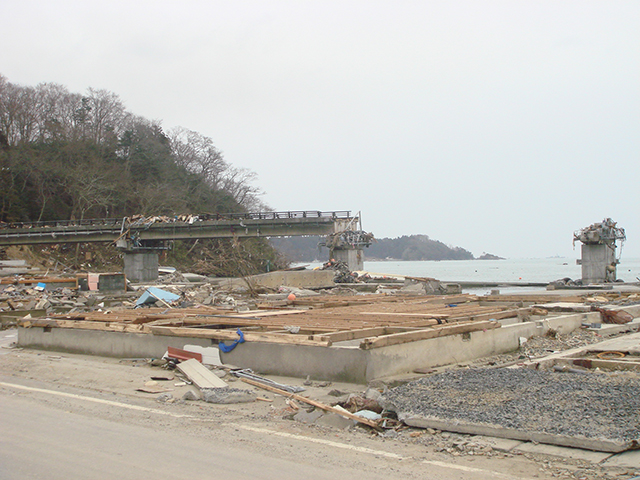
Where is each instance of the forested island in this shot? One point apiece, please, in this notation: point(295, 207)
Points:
point(407, 247)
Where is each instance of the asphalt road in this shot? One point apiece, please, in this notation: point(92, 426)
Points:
point(51, 434)
point(41, 442)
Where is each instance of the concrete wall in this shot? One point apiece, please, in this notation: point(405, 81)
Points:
point(299, 279)
point(141, 267)
point(345, 364)
point(336, 363)
point(107, 344)
point(452, 349)
point(320, 363)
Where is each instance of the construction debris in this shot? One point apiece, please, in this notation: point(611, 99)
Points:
point(341, 412)
point(619, 317)
point(153, 295)
point(200, 375)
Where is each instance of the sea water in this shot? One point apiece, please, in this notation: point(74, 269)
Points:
point(524, 270)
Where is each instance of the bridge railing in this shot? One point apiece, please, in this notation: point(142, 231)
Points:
point(117, 222)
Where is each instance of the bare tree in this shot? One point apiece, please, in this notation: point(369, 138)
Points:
point(18, 121)
point(197, 154)
point(105, 113)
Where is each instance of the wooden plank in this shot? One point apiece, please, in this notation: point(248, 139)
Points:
point(600, 363)
point(110, 317)
point(398, 338)
point(316, 404)
point(231, 335)
point(200, 375)
point(489, 316)
point(81, 325)
point(346, 335)
point(534, 298)
point(48, 280)
point(268, 313)
point(410, 314)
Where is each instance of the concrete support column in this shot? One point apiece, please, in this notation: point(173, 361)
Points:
point(353, 257)
point(598, 263)
point(141, 266)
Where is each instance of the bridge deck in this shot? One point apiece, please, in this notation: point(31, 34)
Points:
point(144, 229)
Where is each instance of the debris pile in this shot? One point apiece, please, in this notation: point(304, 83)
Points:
point(564, 283)
point(619, 317)
point(342, 272)
point(605, 232)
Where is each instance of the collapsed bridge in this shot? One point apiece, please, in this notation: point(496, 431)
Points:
point(140, 237)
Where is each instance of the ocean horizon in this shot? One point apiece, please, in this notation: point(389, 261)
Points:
point(524, 270)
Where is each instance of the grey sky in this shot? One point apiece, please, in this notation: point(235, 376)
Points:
point(498, 126)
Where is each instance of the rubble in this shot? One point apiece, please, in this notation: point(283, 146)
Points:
point(342, 272)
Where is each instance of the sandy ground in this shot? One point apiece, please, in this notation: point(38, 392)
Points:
point(263, 427)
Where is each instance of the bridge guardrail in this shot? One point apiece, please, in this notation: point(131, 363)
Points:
point(117, 222)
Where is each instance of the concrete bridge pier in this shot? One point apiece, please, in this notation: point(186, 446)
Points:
point(352, 256)
point(598, 263)
point(141, 266)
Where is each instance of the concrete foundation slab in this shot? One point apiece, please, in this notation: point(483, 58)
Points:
point(308, 417)
point(564, 452)
point(346, 363)
point(471, 428)
point(7, 339)
point(630, 459)
point(498, 444)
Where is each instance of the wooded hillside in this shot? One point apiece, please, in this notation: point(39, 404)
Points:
point(67, 155)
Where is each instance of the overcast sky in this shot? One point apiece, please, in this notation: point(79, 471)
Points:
point(496, 126)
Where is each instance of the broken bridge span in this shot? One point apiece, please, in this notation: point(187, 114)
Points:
point(142, 237)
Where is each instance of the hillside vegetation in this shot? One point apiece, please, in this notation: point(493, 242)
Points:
point(67, 155)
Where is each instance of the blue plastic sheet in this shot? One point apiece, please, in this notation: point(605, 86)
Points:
point(153, 294)
point(227, 348)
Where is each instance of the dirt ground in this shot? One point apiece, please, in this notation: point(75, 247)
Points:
point(119, 380)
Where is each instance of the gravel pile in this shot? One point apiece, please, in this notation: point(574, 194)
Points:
point(595, 406)
point(541, 346)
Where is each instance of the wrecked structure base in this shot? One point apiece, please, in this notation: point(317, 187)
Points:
point(342, 361)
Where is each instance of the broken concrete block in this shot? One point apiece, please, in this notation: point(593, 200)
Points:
point(308, 417)
point(192, 395)
point(164, 398)
point(372, 394)
point(227, 395)
point(335, 421)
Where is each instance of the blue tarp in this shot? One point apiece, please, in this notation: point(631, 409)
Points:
point(227, 348)
point(153, 294)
